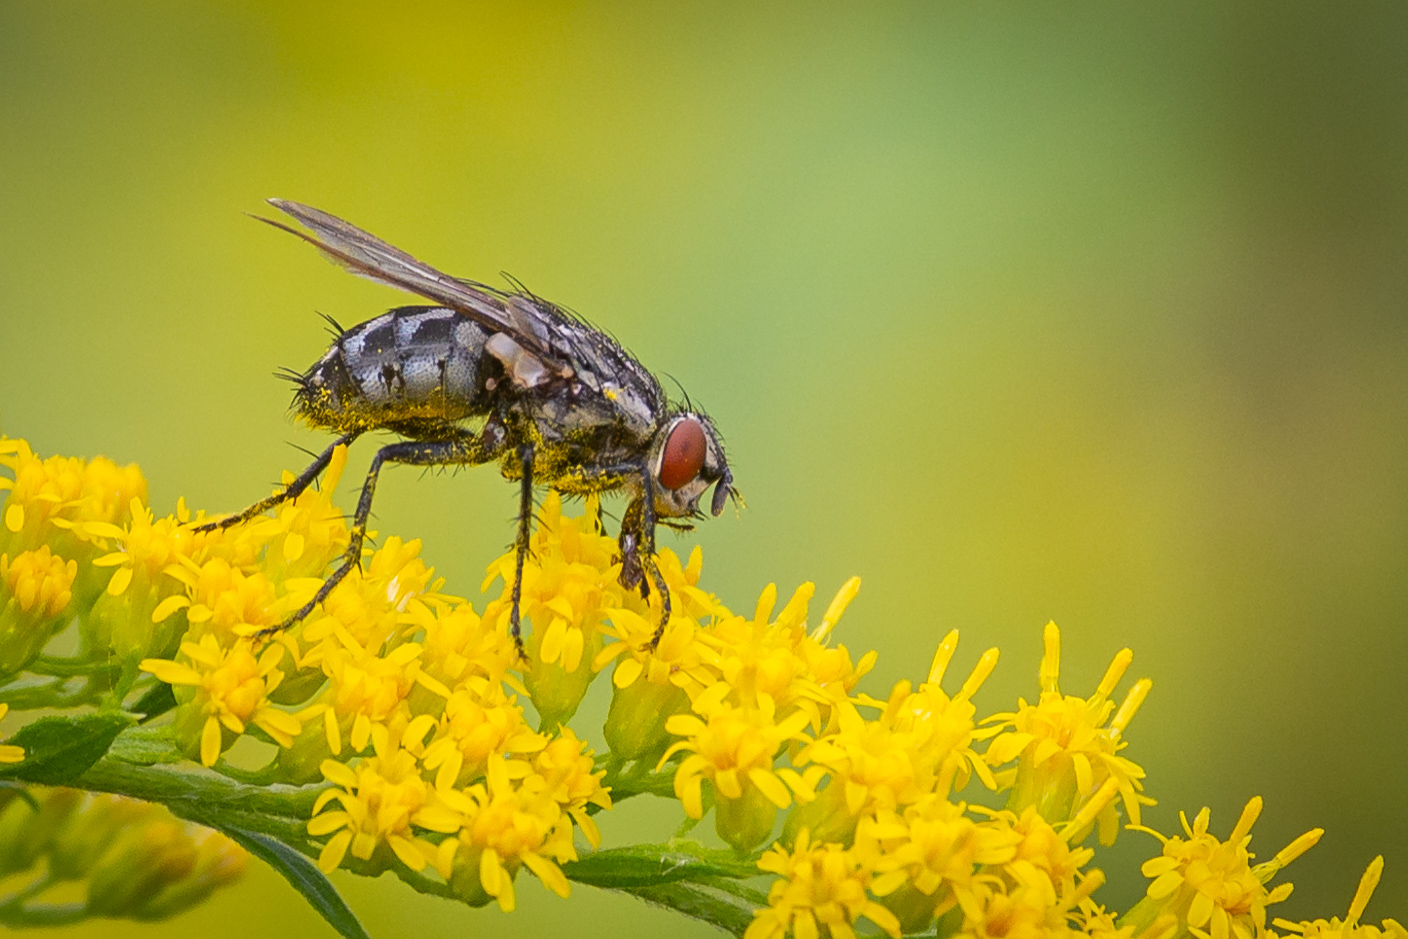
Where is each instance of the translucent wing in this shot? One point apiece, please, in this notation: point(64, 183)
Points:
point(363, 253)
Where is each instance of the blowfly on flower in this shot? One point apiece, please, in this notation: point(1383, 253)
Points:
point(489, 376)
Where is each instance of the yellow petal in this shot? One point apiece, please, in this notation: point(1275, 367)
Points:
point(553, 640)
point(572, 650)
point(339, 773)
point(406, 850)
point(14, 517)
point(210, 742)
point(627, 671)
point(327, 823)
point(120, 579)
point(334, 851)
point(171, 672)
point(491, 874)
point(549, 873)
point(168, 606)
point(293, 550)
point(771, 787)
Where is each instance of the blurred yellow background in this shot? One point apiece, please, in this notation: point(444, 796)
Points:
point(1094, 315)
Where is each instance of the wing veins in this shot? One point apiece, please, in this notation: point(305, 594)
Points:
point(361, 252)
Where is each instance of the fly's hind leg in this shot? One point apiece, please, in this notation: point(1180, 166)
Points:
point(462, 450)
point(525, 534)
point(292, 491)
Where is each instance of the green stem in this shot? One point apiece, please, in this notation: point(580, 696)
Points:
point(699, 902)
point(628, 785)
point(30, 890)
point(50, 695)
point(58, 667)
point(44, 916)
point(199, 791)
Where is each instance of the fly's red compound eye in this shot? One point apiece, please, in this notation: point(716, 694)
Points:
point(684, 454)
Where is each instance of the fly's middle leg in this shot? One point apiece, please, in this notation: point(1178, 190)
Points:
point(464, 450)
point(292, 491)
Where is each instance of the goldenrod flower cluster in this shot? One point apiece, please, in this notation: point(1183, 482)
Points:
point(438, 753)
point(126, 858)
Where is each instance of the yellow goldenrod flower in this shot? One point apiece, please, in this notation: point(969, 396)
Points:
point(733, 748)
point(152, 569)
point(569, 584)
point(35, 590)
point(370, 606)
point(1211, 886)
point(564, 773)
point(1350, 927)
point(9, 753)
point(51, 500)
point(496, 827)
point(365, 689)
point(378, 797)
point(921, 743)
point(475, 727)
point(222, 690)
point(1065, 748)
point(459, 645)
point(994, 910)
point(821, 892)
point(930, 856)
point(650, 686)
point(228, 602)
point(1043, 859)
point(1097, 922)
point(775, 656)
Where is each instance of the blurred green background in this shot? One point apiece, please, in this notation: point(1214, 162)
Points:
point(1094, 314)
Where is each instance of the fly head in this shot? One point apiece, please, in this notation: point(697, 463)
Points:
point(687, 457)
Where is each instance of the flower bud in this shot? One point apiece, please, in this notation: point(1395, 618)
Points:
point(635, 724)
point(26, 833)
point(219, 862)
point(35, 590)
point(139, 864)
point(91, 831)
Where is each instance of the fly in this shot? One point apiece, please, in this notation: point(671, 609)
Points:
point(488, 376)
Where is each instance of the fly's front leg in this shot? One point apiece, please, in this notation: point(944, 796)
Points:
point(292, 491)
point(525, 533)
point(465, 450)
point(637, 540)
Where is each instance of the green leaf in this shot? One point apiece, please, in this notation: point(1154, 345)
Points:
point(305, 877)
point(650, 864)
point(57, 750)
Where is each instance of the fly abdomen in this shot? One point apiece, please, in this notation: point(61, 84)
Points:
point(409, 364)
